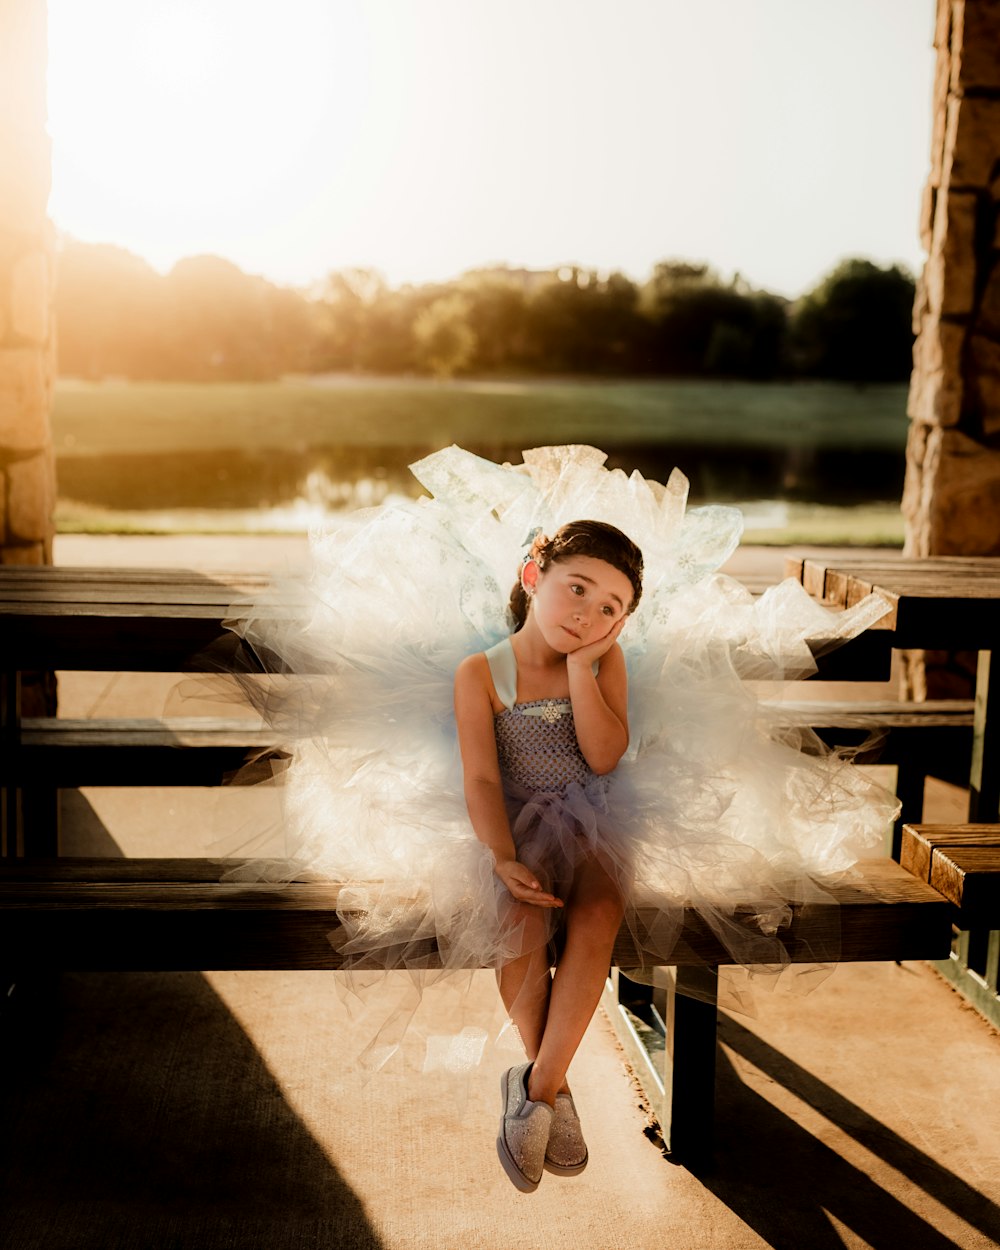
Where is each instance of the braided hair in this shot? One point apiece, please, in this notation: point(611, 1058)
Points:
point(581, 538)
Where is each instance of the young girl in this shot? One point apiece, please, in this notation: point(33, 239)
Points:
point(513, 844)
point(542, 721)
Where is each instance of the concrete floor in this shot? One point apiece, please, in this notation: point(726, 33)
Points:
point(213, 1110)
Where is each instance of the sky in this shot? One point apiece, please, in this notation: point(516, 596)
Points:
point(427, 137)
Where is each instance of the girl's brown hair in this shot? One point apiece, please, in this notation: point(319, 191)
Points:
point(581, 538)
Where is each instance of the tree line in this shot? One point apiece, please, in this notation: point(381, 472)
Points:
point(207, 320)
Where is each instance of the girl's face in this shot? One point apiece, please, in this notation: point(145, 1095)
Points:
point(577, 600)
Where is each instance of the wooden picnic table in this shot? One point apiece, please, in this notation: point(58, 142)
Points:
point(942, 603)
point(114, 913)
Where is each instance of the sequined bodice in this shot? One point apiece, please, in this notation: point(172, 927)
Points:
point(537, 747)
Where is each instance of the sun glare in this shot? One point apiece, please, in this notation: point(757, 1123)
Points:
point(424, 137)
point(169, 118)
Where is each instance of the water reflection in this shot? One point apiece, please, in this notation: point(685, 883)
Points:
point(334, 478)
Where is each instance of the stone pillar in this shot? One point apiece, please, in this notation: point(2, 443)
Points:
point(951, 500)
point(27, 341)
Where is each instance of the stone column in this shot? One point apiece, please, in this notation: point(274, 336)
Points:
point(951, 500)
point(27, 342)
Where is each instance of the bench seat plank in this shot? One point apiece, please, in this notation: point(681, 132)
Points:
point(970, 877)
point(178, 915)
point(188, 731)
point(874, 713)
point(191, 751)
point(962, 862)
point(921, 841)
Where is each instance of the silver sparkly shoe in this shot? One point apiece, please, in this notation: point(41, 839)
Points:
point(566, 1154)
point(524, 1130)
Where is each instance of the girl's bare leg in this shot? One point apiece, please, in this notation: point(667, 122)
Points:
point(594, 912)
point(525, 982)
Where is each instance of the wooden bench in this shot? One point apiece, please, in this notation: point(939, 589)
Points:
point(921, 739)
point(189, 751)
point(962, 862)
point(54, 754)
point(942, 603)
point(176, 915)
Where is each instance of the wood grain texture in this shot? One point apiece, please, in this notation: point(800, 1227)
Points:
point(945, 602)
point(173, 621)
point(969, 877)
point(920, 842)
point(178, 915)
point(64, 754)
point(962, 862)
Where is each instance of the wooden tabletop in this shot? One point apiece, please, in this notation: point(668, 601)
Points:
point(142, 620)
point(939, 602)
point(171, 620)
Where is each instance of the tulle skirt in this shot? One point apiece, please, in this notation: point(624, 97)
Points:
point(720, 806)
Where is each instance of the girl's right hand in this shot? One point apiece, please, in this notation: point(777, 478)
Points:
point(524, 885)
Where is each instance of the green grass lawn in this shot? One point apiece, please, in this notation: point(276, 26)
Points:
point(150, 417)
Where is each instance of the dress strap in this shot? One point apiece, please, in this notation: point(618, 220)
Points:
point(503, 670)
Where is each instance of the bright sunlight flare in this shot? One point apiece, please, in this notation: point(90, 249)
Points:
point(425, 137)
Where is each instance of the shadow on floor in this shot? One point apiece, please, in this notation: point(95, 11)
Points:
point(81, 830)
point(136, 1113)
point(785, 1183)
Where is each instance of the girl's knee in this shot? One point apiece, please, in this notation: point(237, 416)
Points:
point(596, 913)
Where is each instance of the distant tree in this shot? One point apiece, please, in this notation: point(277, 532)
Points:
point(700, 325)
point(220, 327)
point(109, 310)
point(342, 314)
point(387, 344)
point(207, 320)
point(730, 350)
point(498, 317)
point(445, 341)
point(579, 322)
point(293, 330)
point(856, 324)
point(616, 324)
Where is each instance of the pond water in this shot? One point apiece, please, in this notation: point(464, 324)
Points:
point(334, 478)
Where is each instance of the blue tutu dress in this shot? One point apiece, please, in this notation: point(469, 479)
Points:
point(719, 801)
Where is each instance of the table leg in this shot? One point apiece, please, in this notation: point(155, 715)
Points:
point(984, 796)
point(690, 1068)
point(672, 1052)
point(975, 961)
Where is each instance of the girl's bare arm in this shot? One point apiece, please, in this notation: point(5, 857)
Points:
point(600, 704)
point(483, 786)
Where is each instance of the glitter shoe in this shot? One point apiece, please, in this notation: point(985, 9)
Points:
point(566, 1154)
point(524, 1130)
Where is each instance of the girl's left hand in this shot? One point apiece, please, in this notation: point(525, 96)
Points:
point(591, 651)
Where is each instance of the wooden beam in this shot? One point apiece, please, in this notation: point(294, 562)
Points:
point(179, 915)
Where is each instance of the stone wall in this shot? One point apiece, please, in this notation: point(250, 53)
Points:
point(27, 339)
point(951, 500)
